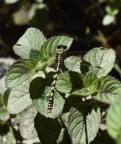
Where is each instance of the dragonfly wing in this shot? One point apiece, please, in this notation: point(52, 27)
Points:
point(75, 53)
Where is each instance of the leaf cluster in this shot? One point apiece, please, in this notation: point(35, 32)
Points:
point(81, 89)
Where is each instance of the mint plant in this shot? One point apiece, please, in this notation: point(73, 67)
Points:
point(81, 90)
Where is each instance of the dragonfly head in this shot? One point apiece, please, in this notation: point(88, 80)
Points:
point(61, 48)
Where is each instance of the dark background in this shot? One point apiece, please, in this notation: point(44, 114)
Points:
point(80, 19)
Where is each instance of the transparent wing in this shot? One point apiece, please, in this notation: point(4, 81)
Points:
point(76, 53)
point(67, 54)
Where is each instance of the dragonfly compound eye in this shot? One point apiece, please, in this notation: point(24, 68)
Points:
point(62, 46)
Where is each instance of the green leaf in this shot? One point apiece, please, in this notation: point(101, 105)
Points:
point(118, 140)
point(72, 63)
point(9, 138)
point(49, 48)
point(40, 91)
point(90, 85)
point(11, 1)
point(34, 141)
point(32, 11)
point(101, 61)
point(64, 84)
point(108, 89)
point(69, 81)
point(64, 137)
point(82, 124)
point(112, 10)
point(32, 39)
point(2, 85)
point(90, 79)
point(114, 120)
point(20, 94)
point(1, 100)
point(35, 57)
point(6, 96)
point(84, 91)
point(108, 19)
point(48, 129)
point(18, 18)
point(19, 98)
point(18, 73)
point(27, 128)
point(64, 117)
point(3, 113)
point(24, 69)
point(77, 84)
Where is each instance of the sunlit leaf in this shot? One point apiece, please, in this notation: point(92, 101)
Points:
point(111, 10)
point(20, 17)
point(19, 98)
point(2, 85)
point(32, 39)
point(27, 128)
point(64, 83)
point(114, 120)
point(108, 89)
point(101, 61)
point(83, 125)
point(11, 1)
point(72, 63)
point(108, 19)
point(18, 73)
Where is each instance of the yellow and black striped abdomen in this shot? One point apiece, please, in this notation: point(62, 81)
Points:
point(59, 59)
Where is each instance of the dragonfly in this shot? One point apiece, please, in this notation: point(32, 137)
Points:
point(59, 58)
